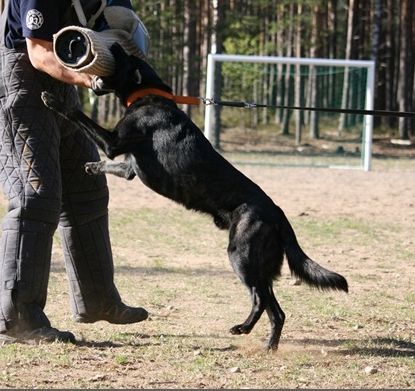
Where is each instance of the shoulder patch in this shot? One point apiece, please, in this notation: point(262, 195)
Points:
point(34, 19)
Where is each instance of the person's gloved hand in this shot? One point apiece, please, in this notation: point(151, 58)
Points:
point(99, 87)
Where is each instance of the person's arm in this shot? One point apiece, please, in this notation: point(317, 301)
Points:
point(43, 59)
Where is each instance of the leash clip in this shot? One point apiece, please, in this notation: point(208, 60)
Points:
point(249, 105)
point(208, 101)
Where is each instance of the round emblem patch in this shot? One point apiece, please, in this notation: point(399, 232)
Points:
point(34, 19)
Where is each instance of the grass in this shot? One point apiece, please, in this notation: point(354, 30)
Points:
point(174, 263)
point(176, 237)
point(354, 230)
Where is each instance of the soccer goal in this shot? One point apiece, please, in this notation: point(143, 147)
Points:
point(284, 136)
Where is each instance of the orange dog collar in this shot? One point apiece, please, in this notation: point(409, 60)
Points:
point(185, 100)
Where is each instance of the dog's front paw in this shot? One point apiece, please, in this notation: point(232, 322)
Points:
point(94, 168)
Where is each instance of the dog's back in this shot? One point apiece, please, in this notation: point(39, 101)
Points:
point(178, 162)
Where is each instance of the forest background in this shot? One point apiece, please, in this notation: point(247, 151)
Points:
point(184, 32)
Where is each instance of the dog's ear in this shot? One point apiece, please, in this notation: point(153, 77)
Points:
point(146, 76)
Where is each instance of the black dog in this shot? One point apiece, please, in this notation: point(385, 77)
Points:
point(166, 150)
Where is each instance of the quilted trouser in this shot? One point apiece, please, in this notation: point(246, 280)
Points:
point(42, 173)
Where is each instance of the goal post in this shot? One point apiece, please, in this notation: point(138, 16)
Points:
point(367, 131)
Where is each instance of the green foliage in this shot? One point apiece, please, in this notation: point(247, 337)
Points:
point(242, 40)
point(165, 26)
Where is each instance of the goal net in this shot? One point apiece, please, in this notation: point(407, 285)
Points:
point(285, 136)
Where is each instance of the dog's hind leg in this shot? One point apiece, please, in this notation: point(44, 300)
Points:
point(256, 257)
point(258, 307)
point(277, 317)
point(242, 252)
point(263, 299)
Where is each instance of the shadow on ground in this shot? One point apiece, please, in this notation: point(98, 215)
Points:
point(381, 347)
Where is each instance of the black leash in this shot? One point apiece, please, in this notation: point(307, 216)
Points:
point(248, 105)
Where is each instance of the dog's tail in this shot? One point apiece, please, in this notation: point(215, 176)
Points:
point(302, 266)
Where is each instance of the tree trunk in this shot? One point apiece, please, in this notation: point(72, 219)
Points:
point(177, 46)
point(280, 90)
point(297, 88)
point(204, 37)
point(390, 61)
point(349, 41)
point(314, 130)
point(217, 47)
point(376, 37)
point(265, 74)
point(406, 72)
point(288, 89)
point(189, 50)
point(332, 51)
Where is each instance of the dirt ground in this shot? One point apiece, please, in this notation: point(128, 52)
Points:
point(173, 262)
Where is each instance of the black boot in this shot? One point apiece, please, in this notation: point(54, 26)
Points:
point(49, 334)
point(41, 334)
point(25, 250)
point(116, 314)
point(89, 265)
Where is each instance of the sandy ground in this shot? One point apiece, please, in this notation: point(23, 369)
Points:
point(387, 194)
point(187, 344)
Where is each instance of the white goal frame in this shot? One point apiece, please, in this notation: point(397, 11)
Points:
point(369, 99)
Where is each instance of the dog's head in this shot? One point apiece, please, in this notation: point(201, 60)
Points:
point(131, 74)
